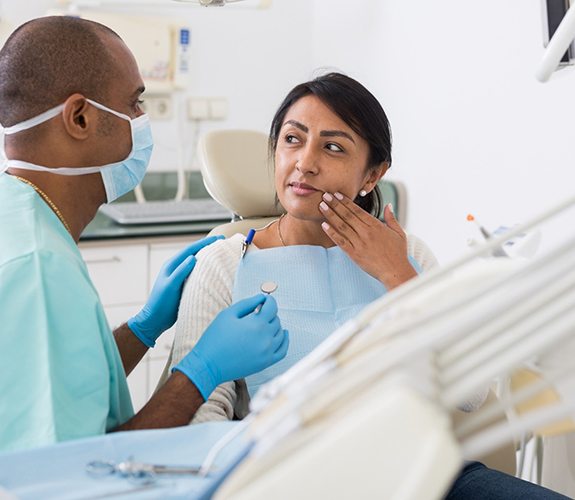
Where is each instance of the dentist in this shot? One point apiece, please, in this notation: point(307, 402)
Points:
point(75, 137)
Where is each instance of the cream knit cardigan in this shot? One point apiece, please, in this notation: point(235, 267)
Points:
point(207, 292)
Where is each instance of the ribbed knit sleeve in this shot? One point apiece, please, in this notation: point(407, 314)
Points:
point(208, 291)
point(417, 249)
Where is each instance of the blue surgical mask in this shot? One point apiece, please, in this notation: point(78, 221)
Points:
point(119, 178)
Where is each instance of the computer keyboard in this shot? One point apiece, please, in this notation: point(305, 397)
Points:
point(167, 211)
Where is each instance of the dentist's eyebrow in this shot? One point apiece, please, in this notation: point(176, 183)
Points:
point(336, 133)
point(297, 124)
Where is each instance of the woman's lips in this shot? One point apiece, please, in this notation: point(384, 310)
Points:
point(301, 189)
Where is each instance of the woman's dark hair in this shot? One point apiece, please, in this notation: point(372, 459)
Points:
point(357, 107)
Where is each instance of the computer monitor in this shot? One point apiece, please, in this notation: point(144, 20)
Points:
point(553, 13)
point(558, 34)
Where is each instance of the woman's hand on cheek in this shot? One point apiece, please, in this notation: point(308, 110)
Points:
point(379, 248)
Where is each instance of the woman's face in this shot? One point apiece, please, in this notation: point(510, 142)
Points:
point(318, 152)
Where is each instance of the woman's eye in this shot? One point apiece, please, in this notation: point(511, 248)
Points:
point(334, 147)
point(291, 139)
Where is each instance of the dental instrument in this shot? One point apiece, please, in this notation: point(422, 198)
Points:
point(138, 472)
point(498, 252)
point(521, 245)
point(486, 234)
point(248, 241)
point(267, 287)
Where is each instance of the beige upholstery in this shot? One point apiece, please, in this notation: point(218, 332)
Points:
point(525, 377)
point(237, 173)
point(554, 444)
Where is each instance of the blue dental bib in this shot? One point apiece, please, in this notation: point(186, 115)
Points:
point(318, 290)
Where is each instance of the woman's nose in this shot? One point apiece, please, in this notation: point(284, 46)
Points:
point(307, 163)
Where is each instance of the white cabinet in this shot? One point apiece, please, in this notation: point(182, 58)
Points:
point(124, 272)
point(120, 273)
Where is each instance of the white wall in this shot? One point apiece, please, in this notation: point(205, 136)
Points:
point(252, 57)
point(18, 12)
point(473, 130)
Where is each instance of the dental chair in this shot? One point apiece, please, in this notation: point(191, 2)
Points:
point(238, 173)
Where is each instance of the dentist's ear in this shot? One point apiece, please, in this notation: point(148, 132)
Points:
point(77, 116)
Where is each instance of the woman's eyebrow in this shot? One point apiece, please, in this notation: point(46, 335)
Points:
point(323, 133)
point(297, 124)
point(336, 133)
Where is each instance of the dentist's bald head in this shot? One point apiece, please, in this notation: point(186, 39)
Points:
point(47, 59)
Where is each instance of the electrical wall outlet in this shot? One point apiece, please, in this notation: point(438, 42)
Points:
point(198, 108)
point(163, 108)
point(218, 108)
point(207, 108)
point(159, 107)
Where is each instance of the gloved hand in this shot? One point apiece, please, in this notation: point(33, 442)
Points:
point(161, 310)
point(237, 343)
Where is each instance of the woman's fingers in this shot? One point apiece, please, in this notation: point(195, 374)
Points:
point(345, 220)
point(378, 247)
point(390, 220)
point(346, 208)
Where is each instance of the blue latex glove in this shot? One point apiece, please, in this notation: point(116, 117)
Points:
point(237, 343)
point(161, 310)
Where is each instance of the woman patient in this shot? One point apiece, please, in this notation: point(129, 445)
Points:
point(328, 254)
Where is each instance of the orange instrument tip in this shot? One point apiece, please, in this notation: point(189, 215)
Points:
point(470, 217)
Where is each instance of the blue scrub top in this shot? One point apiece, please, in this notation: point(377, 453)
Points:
point(61, 373)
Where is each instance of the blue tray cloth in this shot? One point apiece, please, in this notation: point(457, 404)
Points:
point(59, 471)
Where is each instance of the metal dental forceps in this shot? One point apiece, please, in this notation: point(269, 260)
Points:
point(137, 472)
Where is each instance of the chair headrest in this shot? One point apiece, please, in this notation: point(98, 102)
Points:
point(238, 173)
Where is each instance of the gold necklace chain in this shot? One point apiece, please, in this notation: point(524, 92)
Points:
point(280, 231)
point(47, 199)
